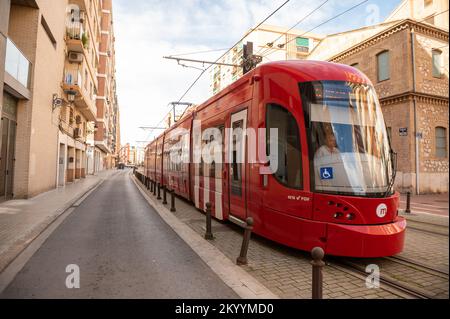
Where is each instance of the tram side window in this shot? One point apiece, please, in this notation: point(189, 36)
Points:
point(289, 171)
point(237, 158)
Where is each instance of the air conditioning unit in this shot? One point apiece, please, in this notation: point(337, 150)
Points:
point(75, 57)
point(76, 132)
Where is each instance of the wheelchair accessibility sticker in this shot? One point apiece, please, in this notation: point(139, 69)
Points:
point(326, 173)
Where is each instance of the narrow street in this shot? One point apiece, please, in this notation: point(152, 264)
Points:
point(123, 250)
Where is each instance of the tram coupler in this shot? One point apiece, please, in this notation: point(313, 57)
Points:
point(164, 195)
point(242, 259)
point(317, 263)
point(208, 233)
point(172, 201)
point(408, 203)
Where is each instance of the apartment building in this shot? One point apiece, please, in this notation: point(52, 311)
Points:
point(272, 43)
point(49, 60)
point(107, 104)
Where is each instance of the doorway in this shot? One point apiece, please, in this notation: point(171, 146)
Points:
point(8, 146)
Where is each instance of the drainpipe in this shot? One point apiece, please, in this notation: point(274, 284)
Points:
point(416, 135)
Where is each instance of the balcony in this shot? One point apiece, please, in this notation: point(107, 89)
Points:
point(16, 64)
point(85, 101)
point(77, 39)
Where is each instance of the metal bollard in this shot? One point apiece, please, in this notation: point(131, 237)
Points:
point(317, 263)
point(159, 191)
point(164, 195)
point(154, 188)
point(208, 233)
point(408, 203)
point(151, 186)
point(172, 201)
point(242, 259)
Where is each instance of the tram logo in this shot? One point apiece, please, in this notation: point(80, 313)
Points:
point(326, 173)
point(381, 210)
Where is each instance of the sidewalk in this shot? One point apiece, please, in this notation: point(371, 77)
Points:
point(23, 220)
point(436, 204)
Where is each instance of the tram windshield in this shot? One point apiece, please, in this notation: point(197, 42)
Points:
point(348, 138)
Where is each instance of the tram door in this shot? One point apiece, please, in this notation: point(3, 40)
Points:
point(236, 152)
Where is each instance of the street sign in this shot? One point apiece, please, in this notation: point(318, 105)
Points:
point(403, 131)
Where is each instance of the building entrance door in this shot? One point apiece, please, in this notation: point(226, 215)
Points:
point(7, 146)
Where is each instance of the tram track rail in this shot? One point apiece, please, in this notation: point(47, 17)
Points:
point(404, 288)
point(417, 264)
point(429, 228)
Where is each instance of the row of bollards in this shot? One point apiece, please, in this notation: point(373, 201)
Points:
point(155, 189)
point(317, 253)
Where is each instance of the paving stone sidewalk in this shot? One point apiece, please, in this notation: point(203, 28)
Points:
point(21, 221)
point(284, 271)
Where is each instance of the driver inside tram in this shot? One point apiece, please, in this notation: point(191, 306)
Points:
point(330, 146)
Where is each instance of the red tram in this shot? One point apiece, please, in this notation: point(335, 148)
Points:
point(332, 182)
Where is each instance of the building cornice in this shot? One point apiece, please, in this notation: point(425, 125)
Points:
point(429, 99)
point(418, 27)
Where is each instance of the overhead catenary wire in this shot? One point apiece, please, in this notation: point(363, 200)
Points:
point(321, 24)
point(197, 52)
point(207, 68)
point(296, 24)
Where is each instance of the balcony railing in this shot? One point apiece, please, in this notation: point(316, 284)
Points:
point(73, 77)
point(75, 30)
point(16, 64)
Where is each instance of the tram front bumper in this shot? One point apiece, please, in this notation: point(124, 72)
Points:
point(366, 240)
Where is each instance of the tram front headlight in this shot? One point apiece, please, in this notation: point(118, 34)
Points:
point(337, 215)
point(350, 216)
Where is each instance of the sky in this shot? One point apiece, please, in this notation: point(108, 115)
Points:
point(147, 30)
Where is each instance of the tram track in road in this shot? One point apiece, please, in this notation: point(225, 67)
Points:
point(418, 264)
point(426, 227)
point(410, 278)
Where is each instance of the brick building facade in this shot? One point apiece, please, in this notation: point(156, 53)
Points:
point(413, 99)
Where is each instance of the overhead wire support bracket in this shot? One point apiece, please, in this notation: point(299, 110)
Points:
point(200, 61)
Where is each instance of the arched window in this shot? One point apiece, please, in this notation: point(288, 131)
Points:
point(383, 65)
point(441, 141)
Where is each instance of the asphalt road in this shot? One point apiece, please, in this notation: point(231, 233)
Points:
point(123, 250)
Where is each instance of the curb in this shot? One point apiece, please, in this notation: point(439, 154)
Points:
point(242, 283)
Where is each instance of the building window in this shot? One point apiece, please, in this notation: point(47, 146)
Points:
point(355, 65)
point(302, 44)
point(437, 63)
point(383, 66)
point(441, 142)
point(289, 171)
point(427, 3)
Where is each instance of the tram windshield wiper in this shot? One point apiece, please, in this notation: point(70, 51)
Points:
point(394, 172)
